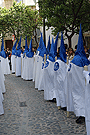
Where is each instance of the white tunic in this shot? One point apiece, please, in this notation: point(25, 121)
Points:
point(38, 70)
point(22, 65)
point(2, 79)
point(5, 65)
point(59, 83)
point(13, 63)
point(78, 90)
point(1, 105)
point(87, 101)
point(2, 90)
point(89, 67)
point(49, 81)
point(41, 79)
point(35, 67)
point(28, 68)
point(69, 98)
point(18, 66)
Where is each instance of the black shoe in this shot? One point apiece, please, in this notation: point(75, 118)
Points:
point(53, 100)
point(64, 108)
point(80, 120)
point(13, 72)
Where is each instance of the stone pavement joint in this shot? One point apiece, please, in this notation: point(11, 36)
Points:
point(36, 116)
point(23, 104)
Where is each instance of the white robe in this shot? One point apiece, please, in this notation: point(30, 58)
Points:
point(41, 79)
point(2, 79)
point(5, 65)
point(89, 67)
point(13, 63)
point(38, 70)
point(2, 90)
point(35, 67)
point(18, 66)
point(87, 101)
point(78, 90)
point(69, 97)
point(28, 68)
point(1, 105)
point(49, 81)
point(22, 65)
point(59, 83)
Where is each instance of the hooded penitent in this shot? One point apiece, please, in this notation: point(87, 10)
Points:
point(56, 41)
point(62, 52)
point(30, 53)
point(18, 52)
point(52, 52)
point(42, 47)
point(14, 48)
point(3, 53)
point(48, 46)
point(80, 58)
point(26, 46)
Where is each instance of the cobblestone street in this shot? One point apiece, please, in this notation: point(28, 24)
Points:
point(27, 113)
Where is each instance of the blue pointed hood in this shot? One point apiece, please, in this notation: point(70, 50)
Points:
point(30, 46)
point(56, 41)
point(26, 45)
point(30, 53)
point(52, 51)
point(18, 51)
point(15, 45)
point(19, 44)
point(62, 52)
point(2, 45)
point(80, 58)
point(14, 48)
point(40, 43)
point(0, 54)
point(3, 54)
point(43, 48)
point(48, 46)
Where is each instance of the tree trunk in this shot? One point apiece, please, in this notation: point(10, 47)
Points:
point(28, 42)
point(84, 42)
point(44, 35)
point(36, 37)
point(69, 42)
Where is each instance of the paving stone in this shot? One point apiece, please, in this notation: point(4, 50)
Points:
point(27, 113)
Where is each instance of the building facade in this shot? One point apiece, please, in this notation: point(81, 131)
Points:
point(33, 3)
point(8, 43)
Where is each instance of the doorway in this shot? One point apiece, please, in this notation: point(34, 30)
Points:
point(9, 44)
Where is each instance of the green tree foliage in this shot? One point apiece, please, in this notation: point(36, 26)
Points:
point(3, 21)
point(30, 20)
point(19, 20)
point(66, 15)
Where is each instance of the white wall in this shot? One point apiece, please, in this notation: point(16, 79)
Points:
point(29, 2)
point(74, 40)
point(1, 3)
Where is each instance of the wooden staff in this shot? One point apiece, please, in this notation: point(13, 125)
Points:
point(15, 64)
point(86, 69)
point(44, 58)
point(67, 64)
point(58, 106)
point(55, 58)
point(21, 63)
point(47, 56)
